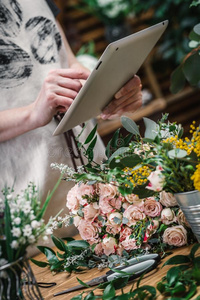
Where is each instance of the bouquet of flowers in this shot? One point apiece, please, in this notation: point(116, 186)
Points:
point(109, 12)
point(127, 202)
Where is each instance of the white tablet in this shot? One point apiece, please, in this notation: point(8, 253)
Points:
point(119, 62)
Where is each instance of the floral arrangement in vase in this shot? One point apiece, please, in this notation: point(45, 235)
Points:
point(21, 225)
point(126, 202)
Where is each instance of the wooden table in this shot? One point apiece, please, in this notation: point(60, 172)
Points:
point(64, 280)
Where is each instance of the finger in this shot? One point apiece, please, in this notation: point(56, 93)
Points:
point(73, 73)
point(69, 83)
point(130, 108)
point(65, 92)
point(118, 104)
point(132, 84)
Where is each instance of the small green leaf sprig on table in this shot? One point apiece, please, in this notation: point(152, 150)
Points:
point(180, 282)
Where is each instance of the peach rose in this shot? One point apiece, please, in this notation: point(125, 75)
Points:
point(109, 245)
point(133, 214)
point(152, 208)
point(175, 236)
point(151, 229)
point(132, 198)
point(113, 229)
point(168, 216)
point(181, 219)
point(125, 232)
point(84, 189)
point(98, 249)
point(87, 230)
point(72, 200)
point(129, 244)
point(167, 199)
point(90, 213)
point(108, 190)
point(107, 204)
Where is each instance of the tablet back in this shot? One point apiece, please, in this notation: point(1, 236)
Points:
point(119, 62)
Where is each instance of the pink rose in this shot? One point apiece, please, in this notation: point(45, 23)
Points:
point(156, 180)
point(175, 236)
point(108, 190)
point(132, 198)
point(107, 205)
point(109, 245)
point(84, 189)
point(133, 214)
point(72, 200)
point(98, 249)
point(129, 244)
point(181, 219)
point(152, 208)
point(87, 230)
point(151, 229)
point(90, 213)
point(125, 232)
point(168, 216)
point(113, 229)
point(167, 199)
point(77, 220)
point(113, 217)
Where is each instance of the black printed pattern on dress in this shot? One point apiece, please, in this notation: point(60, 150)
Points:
point(10, 19)
point(46, 40)
point(15, 65)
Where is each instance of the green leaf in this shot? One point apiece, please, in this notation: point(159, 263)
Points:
point(173, 275)
point(40, 264)
point(8, 233)
point(91, 135)
point(161, 287)
point(118, 152)
point(90, 296)
point(46, 203)
point(130, 161)
point(90, 148)
point(58, 243)
point(178, 259)
point(79, 297)
point(151, 129)
point(191, 69)
point(197, 29)
point(194, 37)
point(177, 80)
point(177, 153)
point(109, 292)
point(82, 283)
point(78, 244)
point(130, 125)
point(50, 254)
point(193, 251)
point(191, 292)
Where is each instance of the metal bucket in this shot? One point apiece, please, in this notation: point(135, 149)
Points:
point(189, 203)
point(17, 281)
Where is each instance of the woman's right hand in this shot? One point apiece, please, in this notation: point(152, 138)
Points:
point(57, 94)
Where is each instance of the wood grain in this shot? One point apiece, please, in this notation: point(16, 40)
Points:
point(65, 281)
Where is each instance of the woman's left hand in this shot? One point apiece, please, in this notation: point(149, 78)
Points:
point(127, 99)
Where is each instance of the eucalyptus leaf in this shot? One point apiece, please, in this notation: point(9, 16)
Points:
point(118, 152)
point(197, 29)
point(130, 125)
point(151, 129)
point(191, 69)
point(194, 37)
point(177, 81)
point(177, 153)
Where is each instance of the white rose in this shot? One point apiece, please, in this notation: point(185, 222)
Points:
point(156, 180)
point(167, 199)
point(109, 245)
point(168, 216)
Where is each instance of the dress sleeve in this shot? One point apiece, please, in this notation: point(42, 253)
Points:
point(55, 10)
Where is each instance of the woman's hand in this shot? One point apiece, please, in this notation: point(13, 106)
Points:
point(57, 94)
point(127, 99)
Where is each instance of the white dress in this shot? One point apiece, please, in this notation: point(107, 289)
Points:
point(31, 46)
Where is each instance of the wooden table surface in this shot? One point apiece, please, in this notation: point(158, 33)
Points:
point(65, 281)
